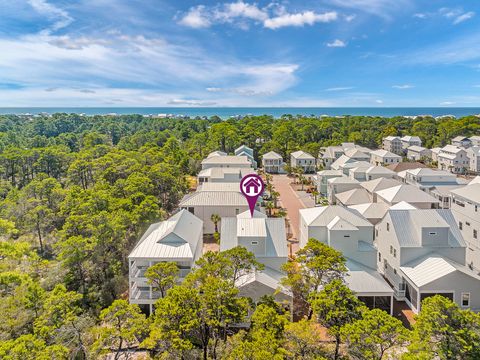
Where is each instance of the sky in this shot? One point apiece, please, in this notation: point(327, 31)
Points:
point(323, 53)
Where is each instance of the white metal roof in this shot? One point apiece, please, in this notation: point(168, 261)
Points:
point(219, 186)
point(302, 155)
point(216, 153)
point(354, 196)
point(416, 148)
point(214, 198)
point(470, 192)
point(272, 155)
point(256, 214)
point(379, 184)
point(364, 281)
point(355, 153)
point(340, 224)
point(251, 227)
point(384, 153)
point(330, 173)
point(342, 160)
point(175, 238)
point(268, 277)
point(379, 170)
point(408, 193)
point(322, 216)
point(226, 159)
point(342, 180)
point(402, 205)
point(220, 172)
point(371, 210)
point(410, 138)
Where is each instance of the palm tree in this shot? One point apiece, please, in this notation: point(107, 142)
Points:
point(270, 207)
point(215, 219)
point(281, 213)
point(275, 195)
point(315, 194)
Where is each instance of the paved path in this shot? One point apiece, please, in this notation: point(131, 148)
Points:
point(290, 201)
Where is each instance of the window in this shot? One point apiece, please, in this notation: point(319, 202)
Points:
point(254, 242)
point(376, 232)
point(388, 227)
point(379, 257)
point(432, 233)
point(391, 249)
point(394, 252)
point(346, 236)
point(395, 271)
point(460, 225)
point(237, 211)
point(475, 234)
point(465, 299)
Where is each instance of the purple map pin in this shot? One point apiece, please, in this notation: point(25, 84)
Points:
point(252, 187)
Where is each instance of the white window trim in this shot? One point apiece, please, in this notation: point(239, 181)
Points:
point(469, 299)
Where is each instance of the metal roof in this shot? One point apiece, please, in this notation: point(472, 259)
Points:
point(371, 210)
point(226, 159)
point(219, 186)
point(220, 172)
point(340, 225)
point(268, 277)
point(323, 215)
point(363, 280)
point(175, 238)
point(302, 155)
point(379, 170)
point(354, 196)
point(272, 155)
point(272, 231)
point(416, 148)
point(384, 153)
point(217, 153)
point(408, 193)
point(470, 192)
point(214, 198)
point(379, 184)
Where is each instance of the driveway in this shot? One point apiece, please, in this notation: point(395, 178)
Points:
point(291, 202)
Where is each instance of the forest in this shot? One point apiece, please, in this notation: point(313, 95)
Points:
point(76, 194)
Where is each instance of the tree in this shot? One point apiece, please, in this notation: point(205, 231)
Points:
point(370, 337)
point(270, 206)
point(275, 195)
point(336, 306)
point(215, 219)
point(162, 276)
point(123, 325)
point(303, 340)
point(315, 266)
point(444, 331)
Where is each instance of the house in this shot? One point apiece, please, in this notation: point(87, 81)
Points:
point(266, 238)
point(178, 239)
point(475, 140)
point(354, 165)
point(244, 150)
point(341, 161)
point(223, 174)
point(303, 160)
point(226, 161)
point(409, 194)
point(465, 207)
point(359, 171)
point(204, 204)
point(338, 185)
point(384, 157)
point(408, 141)
point(422, 253)
point(347, 231)
point(273, 163)
point(331, 153)
point(372, 186)
point(473, 154)
point(373, 212)
point(357, 154)
point(353, 197)
point(322, 179)
point(426, 178)
point(393, 144)
point(217, 153)
point(461, 141)
point(378, 172)
point(415, 153)
point(435, 151)
point(453, 159)
point(402, 166)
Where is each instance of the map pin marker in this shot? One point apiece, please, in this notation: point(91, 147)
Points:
point(251, 186)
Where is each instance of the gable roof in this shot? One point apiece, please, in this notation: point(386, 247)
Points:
point(256, 214)
point(302, 155)
point(243, 148)
point(342, 160)
point(355, 153)
point(384, 153)
point(354, 196)
point(322, 216)
point(175, 238)
point(379, 170)
point(390, 138)
point(268, 277)
point(460, 138)
point(402, 166)
point(220, 172)
point(363, 280)
point(342, 180)
point(416, 148)
point(226, 159)
point(371, 210)
point(470, 192)
point(216, 153)
point(408, 193)
point(340, 224)
point(379, 184)
point(214, 198)
point(272, 155)
point(410, 138)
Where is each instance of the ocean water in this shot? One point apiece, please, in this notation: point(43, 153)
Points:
point(226, 112)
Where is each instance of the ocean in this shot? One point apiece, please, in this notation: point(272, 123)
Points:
point(226, 112)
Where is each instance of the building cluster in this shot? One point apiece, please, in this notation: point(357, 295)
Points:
point(407, 231)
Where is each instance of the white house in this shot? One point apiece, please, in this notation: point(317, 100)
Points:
point(475, 140)
point(461, 141)
point(204, 204)
point(331, 153)
point(353, 197)
point(453, 159)
point(346, 231)
point(266, 238)
point(466, 209)
point(226, 161)
point(415, 153)
point(244, 150)
point(273, 163)
point(373, 212)
point(422, 253)
point(340, 184)
point(357, 154)
point(473, 154)
point(375, 185)
point(435, 151)
point(223, 174)
point(303, 160)
point(408, 141)
point(178, 239)
point(378, 172)
point(322, 179)
point(409, 194)
point(384, 157)
point(393, 144)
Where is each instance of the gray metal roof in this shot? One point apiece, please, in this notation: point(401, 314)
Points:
point(363, 280)
point(272, 231)
point(408, 193)
point(407, 224)
point(214, 198)
point(175, 238)
point(323, 215)
point(371, 210)
point(379, 184)
point(470, 192)
point(268, 277)
point(272, 155)
point(302, 155)
point(226, 159)
point(353, 197)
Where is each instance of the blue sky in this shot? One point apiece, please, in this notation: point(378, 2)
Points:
point(241, 53)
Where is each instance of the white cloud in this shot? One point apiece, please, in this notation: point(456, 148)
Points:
point(378, 101)
point(464, 17)
point(191, 102)
point(337, 43)
point(403, 87)
point(300, 19)
point(340, 88)
point(420, 15)
point(60, 17)
point(457, 15)
point(273, 16)
point(382, 8)
point(196, 18)
point(445, 103)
